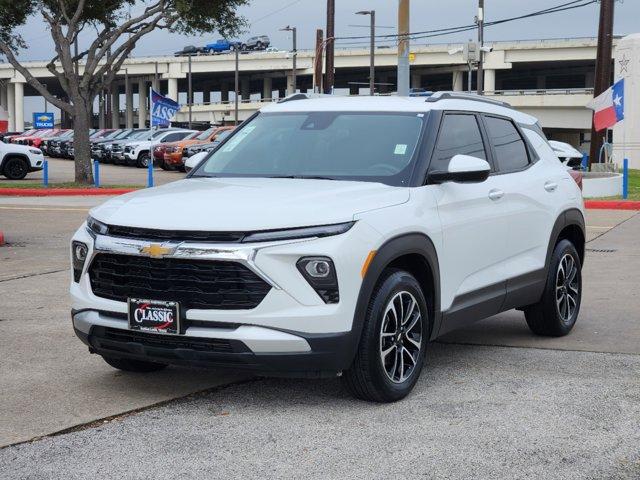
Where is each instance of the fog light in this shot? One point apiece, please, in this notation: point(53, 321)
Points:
point(318, 268)
point(79, 253)
point(321, 275)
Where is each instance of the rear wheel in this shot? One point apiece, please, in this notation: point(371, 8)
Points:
point(394, 338)
point(259, 45)
point(557, 311)
point(129, 365)
point(15, 168)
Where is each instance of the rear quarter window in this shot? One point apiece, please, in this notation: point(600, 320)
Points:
point(508, 146)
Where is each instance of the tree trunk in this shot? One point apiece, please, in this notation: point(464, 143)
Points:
point(82, 146)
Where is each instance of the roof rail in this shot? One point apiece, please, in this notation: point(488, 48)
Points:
point(294, 96)
point(465, 96)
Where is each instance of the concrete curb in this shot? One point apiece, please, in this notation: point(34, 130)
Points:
point(612, 204)
point(57, 192)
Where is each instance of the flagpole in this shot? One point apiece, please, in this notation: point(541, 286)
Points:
point(151, 107)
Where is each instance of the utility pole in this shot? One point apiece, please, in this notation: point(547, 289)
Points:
point(317, 66)
point(372, 48)
point(237, 81)
point(331, 19)
point(190, 92)
point(294, 53)
point(480, 21)
point(403, 48)
point(603, 69)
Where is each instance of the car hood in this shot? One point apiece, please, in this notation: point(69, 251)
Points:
point(245, 204)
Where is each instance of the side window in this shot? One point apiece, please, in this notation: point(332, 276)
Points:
point(459, 134)
point(172, 137)
point(508, 145)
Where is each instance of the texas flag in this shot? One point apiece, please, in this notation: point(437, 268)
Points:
point(608, 107)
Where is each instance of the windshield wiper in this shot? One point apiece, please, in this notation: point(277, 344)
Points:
point(308, 177)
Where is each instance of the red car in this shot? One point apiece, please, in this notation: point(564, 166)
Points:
point(36, 139)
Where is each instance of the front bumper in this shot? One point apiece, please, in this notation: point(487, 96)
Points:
point(243, 347)
point(174, 158)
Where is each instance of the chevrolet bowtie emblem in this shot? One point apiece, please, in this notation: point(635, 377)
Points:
point(155, 250)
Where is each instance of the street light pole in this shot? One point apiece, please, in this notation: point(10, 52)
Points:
point(403, 48)
point(372, 48)
point(294, 53)
point(237, 81)
point(480, 74)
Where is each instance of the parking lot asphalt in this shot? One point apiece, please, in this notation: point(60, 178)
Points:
point(495, 400)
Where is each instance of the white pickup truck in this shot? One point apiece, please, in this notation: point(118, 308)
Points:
point(18, 160)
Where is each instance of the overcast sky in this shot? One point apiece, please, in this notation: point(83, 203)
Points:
point(268, 16)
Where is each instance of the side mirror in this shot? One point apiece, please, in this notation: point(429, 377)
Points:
point(193, 161)
point(462, 169)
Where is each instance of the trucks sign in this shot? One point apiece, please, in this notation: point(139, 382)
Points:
point(43, 120)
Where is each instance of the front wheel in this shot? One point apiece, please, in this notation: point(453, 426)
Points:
point(557, 311)
point(15, 168)
point(143, 160)
point(393, 343)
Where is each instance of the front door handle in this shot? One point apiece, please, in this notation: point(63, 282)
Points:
point(496, 194)
point(550, 186)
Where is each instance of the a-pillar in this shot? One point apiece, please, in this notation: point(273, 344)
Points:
point(11, 106)
point(456, 81)
point(416, 80)
point(267, 88)
point(19, 105)
point(291, 88)
point(115, 105)
point(489, 80)
point(128, 104)
point(142, 103)
point(172, 89)
point(224, 92)
point(245, 88)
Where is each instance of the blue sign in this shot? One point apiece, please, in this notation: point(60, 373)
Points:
point(163, 109)
point(43, 120)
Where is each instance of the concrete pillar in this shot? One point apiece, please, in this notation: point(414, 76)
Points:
point(290, 86)
point(456, 81)
point(245, 88)
point(142, 103)
point(267, 88)
point(589, 79)
point(115, 106)
point(224, 92)
point(489, 80)
point(128, 103)
point(19, 105)
point(11, 106)
point(416, 80)
point(155, 84)
point(172, 89)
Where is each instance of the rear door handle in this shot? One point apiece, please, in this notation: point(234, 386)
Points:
point(496, 194)
point(550, 186)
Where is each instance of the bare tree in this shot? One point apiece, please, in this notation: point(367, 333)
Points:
point(117, 31)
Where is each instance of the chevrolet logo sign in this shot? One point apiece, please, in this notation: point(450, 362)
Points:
point(156, 250)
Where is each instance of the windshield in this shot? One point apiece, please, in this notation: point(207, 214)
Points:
point(221, 136)
point(364, 146)
point(191, 136)
point(206, 134)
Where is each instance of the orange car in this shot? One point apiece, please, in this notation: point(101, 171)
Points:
point(173, 152)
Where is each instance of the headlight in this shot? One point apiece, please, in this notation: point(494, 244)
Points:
point(295, 233)
point(321, 275)
point(79, 253)
point(96, 226)
point(35, 151)
point(108, 147)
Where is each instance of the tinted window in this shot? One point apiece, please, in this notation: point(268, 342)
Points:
point(459, 134)
point(509, 148)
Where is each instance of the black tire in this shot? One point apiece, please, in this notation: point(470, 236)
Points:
point(143, 160)
point(15, 168)
point(550, 316)
point(243, 47)
point(129, 365)
point(165, 166)
point(370, 377)
point(259, 45)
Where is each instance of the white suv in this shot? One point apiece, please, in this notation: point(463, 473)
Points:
point(18, 160)
point(336, 236)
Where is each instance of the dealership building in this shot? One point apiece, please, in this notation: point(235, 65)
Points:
point(551, 79)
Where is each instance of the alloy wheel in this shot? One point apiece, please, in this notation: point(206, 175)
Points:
point(401, 337)
point(567, 287)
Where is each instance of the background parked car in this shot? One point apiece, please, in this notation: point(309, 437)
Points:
point(189, 50)
point(5, 137)
point(259, 42)
point(568, 155)
point(222, 45)
point(174, 153)
point(47, 145)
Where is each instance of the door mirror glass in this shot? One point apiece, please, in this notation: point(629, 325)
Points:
point(194, 160)
point(462, 169)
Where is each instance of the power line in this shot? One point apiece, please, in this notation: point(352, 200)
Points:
point(276, 11)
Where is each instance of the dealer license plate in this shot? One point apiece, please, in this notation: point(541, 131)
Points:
point(154, 316)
